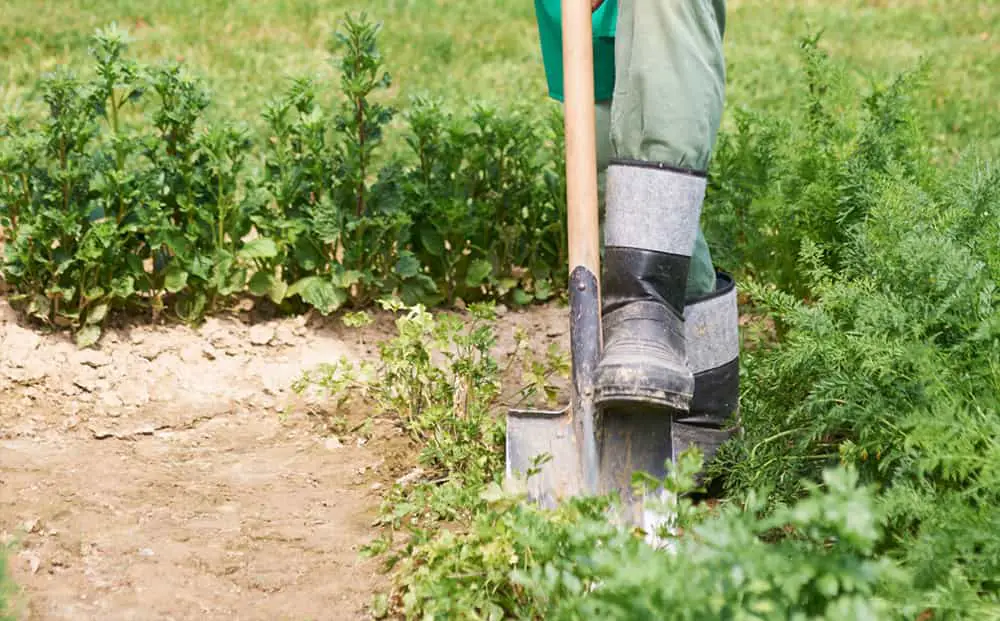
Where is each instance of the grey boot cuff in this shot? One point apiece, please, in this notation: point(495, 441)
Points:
point(653, 207)
point(712, 344)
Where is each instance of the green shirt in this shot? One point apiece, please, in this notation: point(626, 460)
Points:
point(549, 17)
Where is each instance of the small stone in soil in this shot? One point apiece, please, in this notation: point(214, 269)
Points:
point(285, 335)
point(261, 334)
point(18, 343)
point(133, 393)
point(111, 400)
point(152, 351)
point(89, 383)
point(191, 353)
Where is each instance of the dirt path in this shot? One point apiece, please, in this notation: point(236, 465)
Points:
point(174, 475)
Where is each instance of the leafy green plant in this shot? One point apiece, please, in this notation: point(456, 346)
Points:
point(102, 215)
point(501, 558)
point(487, 201)
point(127, 198)
point(360, 222)
point(777, 185)
point(885, 303)
point(71, 200)
point(517, 561)
point(297, 175)
point(439, 379)
point(173, 154)
point(892, 368)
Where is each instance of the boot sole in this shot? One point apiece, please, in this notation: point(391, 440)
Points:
point(636, 397)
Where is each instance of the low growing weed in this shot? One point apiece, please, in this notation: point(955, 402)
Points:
point(440, 380)
point(7, 590)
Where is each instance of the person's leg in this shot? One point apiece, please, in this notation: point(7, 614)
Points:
point(701, 275)
point(667, 105)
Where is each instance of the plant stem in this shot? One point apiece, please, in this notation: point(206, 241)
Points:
point(221, 214)
point(63, 165)
point(359, 119)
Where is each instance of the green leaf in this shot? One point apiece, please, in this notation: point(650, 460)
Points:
point(357, 319)
point(407, 266)
point(88, 335)
point(827, 585)
point(278, 291)
point(306, 254)
point(123, 288)
point(39, 307)
point(380, 606)
point(319, 293)
point(505, 285)
point(94, 293)
point(234, 281)
point(479, 270)
point(420, 289)
point(266, 283)
point(543, 290)
point(345, 279)
point(431, 240)
point(97, 313)
point(261, 248)
point(261, 283)
point(175, 279)
point(521, 297)
point(190, 308)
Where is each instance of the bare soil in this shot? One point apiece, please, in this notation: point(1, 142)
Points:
point(172, 473)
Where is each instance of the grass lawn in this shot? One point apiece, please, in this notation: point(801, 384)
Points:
point(476, 49)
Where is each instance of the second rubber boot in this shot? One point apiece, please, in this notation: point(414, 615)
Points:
point(651, 223)
point(713, 348)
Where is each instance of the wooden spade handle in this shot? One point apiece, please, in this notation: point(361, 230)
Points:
point(581, 145)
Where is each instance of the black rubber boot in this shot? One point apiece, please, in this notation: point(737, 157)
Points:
point(713, 349)
point(650, 228)
point(643, 361)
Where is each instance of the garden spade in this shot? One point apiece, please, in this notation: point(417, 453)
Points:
point(568, 436)
point(586, 453)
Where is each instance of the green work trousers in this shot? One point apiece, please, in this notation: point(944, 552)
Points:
point(668, 96)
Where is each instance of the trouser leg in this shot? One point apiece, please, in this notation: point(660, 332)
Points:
point(669, 90)
point(701, 274)
point(669, 81)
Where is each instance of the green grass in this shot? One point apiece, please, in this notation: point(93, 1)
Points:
point(7, 589)
point(488, 49)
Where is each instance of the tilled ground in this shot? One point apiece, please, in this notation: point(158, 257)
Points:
point(173, 474)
